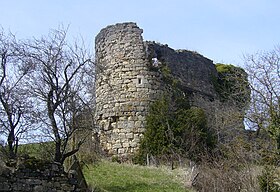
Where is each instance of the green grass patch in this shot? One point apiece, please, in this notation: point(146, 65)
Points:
point(42, 150)
point(113, 177)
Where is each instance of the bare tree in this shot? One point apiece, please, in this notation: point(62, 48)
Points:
point(59, 87)
point(264, 76)
point(14, 103)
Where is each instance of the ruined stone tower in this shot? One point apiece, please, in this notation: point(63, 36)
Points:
point(129, 78)
point(124, 87)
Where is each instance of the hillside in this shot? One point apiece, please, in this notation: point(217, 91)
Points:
point(115, 177)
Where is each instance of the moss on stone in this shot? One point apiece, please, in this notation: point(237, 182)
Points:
point(231, 84)
point(34, 164)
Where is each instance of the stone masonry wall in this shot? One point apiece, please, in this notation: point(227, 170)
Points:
point(37, 177)
point(124, 87)
point(129, 78)
point(193, 70)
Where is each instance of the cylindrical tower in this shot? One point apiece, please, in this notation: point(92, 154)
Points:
point(124, 87)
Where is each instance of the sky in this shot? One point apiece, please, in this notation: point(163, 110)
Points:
point(221, 30)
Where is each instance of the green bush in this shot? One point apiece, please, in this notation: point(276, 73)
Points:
point(192, 134)
point(156, 140)
point(171, 130)
point(173, 127)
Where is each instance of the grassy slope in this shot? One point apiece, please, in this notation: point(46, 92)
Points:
point(37, 150)
point(114, 177)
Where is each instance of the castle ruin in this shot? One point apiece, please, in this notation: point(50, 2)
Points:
point(129, 79)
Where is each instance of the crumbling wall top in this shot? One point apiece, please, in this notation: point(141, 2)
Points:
point(113, 29)
point(193, 70)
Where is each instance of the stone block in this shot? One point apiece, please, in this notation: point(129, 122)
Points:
point(131, 89)
point(40, 188)
point(125, 145)
point(132, 118)
point(122, 118)
point(127, 130)
point(34, 181)
point(141, 108)
point(66, 187)
point(116, 146)
point(122, 136)
point(138, 124)
point(108, 145)
point(134, 144)
point(130, 124)
point(56, 184)
point(136, 138)
point(115, 136)
point(114, 125)
point(105, 106)
point(141, 117)
point(4, 186)
point(129, 135)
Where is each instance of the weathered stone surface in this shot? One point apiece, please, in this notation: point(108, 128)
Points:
point(129, 79)
point(123, 84)
point(4, 186)
point(31, 175)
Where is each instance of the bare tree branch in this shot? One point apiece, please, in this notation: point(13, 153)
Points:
point(57, 83)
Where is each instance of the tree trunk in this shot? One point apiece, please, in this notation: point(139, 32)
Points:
point(11, 139)
point(57, 155)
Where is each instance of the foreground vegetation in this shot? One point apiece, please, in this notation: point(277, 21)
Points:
point(114, 177)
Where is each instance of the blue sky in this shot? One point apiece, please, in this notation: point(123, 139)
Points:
point(222, 30)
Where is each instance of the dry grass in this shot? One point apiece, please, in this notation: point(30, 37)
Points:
point(228, 178)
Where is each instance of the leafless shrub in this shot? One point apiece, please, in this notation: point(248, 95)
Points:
point(224, 176)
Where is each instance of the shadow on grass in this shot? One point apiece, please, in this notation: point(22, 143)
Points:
point(139, 187)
